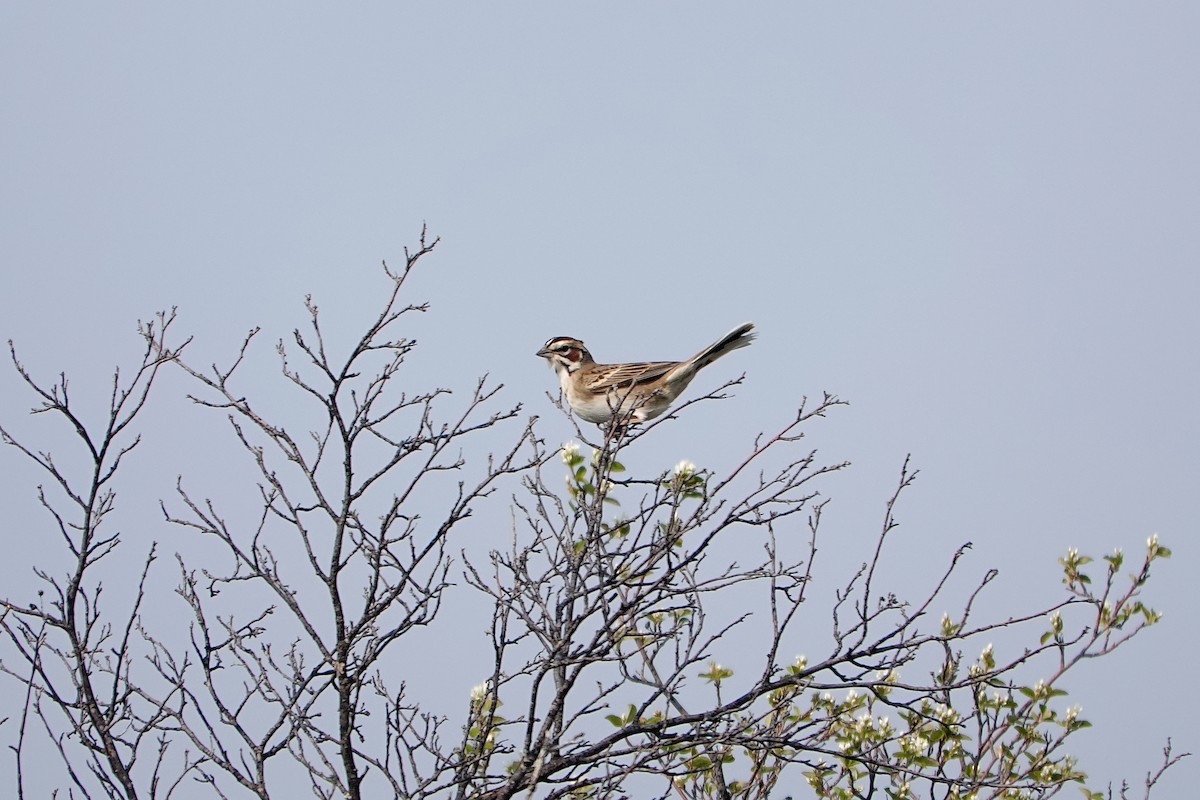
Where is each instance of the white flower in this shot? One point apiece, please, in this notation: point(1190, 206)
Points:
point(685, 469)
point(1152, 542)
point(946, 714)
point(1071, 713)
point(851, 696)
point(801, 662)
point(569, 451)
point(479, 691)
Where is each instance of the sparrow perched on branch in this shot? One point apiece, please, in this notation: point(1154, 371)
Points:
point(640, 391)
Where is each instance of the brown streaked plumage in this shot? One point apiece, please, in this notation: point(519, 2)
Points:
point(643, 391)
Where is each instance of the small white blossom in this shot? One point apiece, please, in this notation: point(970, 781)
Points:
point(479, 691)
point(801, 662)
point(946, 714)
point(1152, 542)
point(851, 696)
point(1071, 713)
point(569, 451)
point(1072, 553)
point(685, 469)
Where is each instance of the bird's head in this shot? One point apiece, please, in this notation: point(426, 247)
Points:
point(565, 353)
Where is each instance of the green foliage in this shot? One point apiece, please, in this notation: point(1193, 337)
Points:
point(583, 482)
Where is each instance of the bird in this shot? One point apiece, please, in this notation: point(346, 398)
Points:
point(634, 392)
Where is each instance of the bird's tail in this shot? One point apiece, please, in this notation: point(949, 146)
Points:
point(738, 337)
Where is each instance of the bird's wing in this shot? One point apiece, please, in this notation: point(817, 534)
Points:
point(625, 375)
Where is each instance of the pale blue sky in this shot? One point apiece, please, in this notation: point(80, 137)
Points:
point(979, 224)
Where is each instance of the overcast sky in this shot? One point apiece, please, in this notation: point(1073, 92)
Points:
point(978, 224)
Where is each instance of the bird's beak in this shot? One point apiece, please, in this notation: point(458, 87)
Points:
point(544, 352)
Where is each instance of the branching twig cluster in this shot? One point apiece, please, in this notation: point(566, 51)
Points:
point(612, 609)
